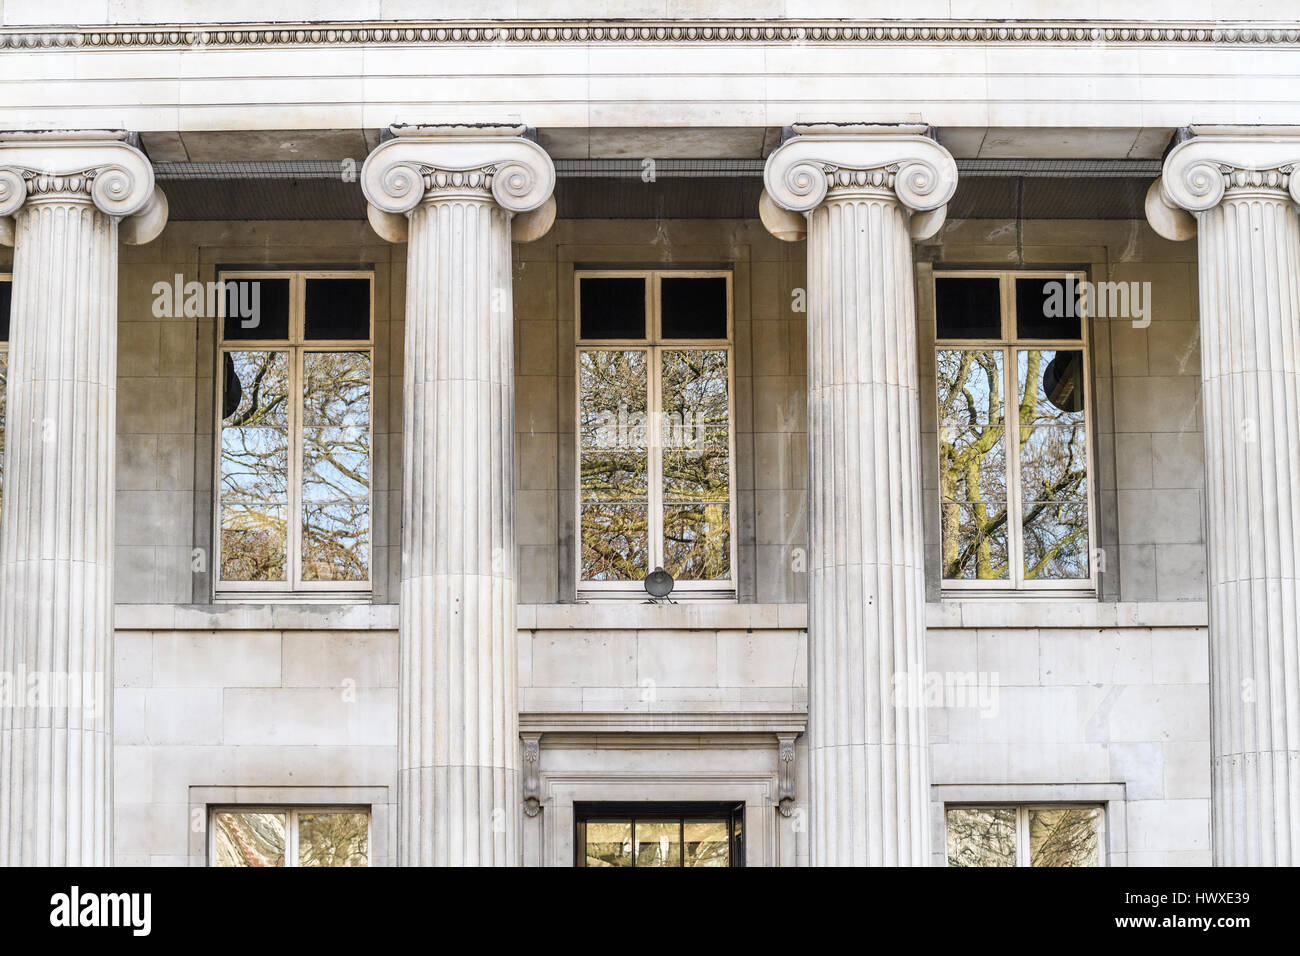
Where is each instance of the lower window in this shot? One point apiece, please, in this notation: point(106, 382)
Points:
point(1045, 835)
point(279, 836)
point(659, 834)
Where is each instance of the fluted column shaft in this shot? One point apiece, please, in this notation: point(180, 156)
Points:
point(867, 746)
point(459, 721)
point(1249, 269)
point(1250, 328)
point(866, 588)
point(459, 799)
point(68, 196)
point(56, 534)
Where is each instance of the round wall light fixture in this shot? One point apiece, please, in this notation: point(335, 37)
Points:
point(659, 584)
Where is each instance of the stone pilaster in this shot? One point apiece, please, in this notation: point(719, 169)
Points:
point(866, 191)
point(1241, 186)
point(459, 797)
point(68, 194)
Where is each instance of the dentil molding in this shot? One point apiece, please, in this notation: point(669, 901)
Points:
point(480, 32)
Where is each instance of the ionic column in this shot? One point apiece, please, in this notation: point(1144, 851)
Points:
point(68, 195)
point(1241, 187)
point(866, 191)
point(451, 192)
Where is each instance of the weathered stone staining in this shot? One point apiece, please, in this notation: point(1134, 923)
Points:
point(1241, 186)
point(862, 189)
point(69, 194)
point(458, 766)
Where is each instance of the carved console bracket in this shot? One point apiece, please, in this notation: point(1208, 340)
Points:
point(532, 774)
point(785, 774)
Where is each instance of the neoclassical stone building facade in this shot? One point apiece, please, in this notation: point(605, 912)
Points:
point(365, 377)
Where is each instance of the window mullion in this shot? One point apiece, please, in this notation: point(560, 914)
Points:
point(654, 399)
point(1022, 836)
point(654, 454)
point(297, 388)
point(1011, 418)
point(293, 519)
point(1011, 433)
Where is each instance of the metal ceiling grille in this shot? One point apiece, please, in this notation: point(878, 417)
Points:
point(237, 199)
point(660, 168)
point(296, 169)
point(670, 189)
point(1060, 168)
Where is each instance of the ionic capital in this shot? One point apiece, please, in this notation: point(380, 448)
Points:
point(837, 163)
point(93, 166)
point(444, 163)
point(1224, 163)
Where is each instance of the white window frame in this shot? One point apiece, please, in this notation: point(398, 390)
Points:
point(653, 345)
point(1009, 344)
point(1023, 810)
point(290, 827)
point(296, 345)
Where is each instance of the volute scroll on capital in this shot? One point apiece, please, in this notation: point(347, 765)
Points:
point(399, 173)
point(1204, 170)
point(822, 161)
point(104, 170)
point(1199, 172)
point(495, 162)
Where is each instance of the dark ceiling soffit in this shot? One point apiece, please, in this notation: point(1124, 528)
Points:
point(346, 170)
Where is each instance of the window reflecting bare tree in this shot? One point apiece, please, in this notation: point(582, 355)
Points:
point(1051, 463)
point(1064, 837)
point(249, 838)
point(972, 464)
point(673, 454)
point(333, 839)
point(696, 450)
point(614, 442)
point(336, 466)
point(1024, 836)
point(255, 466)
point(981, 836)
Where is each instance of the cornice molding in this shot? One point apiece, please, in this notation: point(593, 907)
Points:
point(489, 32)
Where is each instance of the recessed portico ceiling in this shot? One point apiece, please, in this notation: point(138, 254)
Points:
point(679, 189)
point(639, 142)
